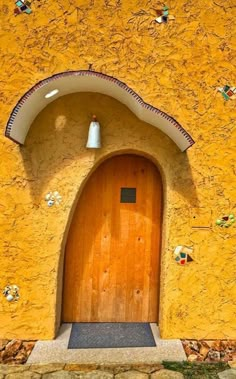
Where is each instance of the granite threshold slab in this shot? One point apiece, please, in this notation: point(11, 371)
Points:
point(56, 351)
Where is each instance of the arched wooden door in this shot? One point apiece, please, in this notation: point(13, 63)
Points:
point(113, 249)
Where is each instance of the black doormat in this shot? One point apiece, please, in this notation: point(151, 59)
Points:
point(112, 334)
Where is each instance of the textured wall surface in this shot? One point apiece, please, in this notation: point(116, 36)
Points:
point(176, 67)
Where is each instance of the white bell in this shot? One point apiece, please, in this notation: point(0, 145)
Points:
point(94, 138)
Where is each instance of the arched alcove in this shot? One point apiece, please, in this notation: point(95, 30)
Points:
point(68, 82)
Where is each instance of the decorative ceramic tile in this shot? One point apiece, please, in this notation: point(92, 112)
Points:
point(227, 92)
point(53, 198)
point(17, 11)
point(182, 254)
point(11, 293)
point(225, 221)
point(23, 6)
point(189, 258)
point(19, 3)
point(163, 15)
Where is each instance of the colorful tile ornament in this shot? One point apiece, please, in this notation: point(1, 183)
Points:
point(225, 221)
point(11, 293)
point(28, 11)
point(163, 15)
point(53, 198)
point(227, 92)
point(17, 11)
point(182, 255)
point(23, 6)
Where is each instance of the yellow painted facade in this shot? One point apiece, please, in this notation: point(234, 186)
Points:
point(176, 67)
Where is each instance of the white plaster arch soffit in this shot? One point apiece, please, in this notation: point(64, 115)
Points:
point(68, 82)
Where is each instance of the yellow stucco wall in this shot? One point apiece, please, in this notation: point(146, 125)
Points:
point(176, 68)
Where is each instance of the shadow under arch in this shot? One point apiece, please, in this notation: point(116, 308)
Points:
point(50, 148)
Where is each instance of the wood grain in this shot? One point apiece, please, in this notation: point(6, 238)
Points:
point(112, 253)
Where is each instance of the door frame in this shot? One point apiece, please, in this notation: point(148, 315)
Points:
point(71, 214)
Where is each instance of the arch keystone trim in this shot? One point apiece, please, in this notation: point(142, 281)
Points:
point(33, 101)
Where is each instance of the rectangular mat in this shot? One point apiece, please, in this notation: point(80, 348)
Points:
point(110, 335)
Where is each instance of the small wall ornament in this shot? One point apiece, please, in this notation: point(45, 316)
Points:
point(53, 198)
point(225, 221)
point(182, 254)
point(163, 15)
point(227, 92)
point(22, 6)
point(11, 293)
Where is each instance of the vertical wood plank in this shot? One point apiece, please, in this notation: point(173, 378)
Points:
point(113, 249)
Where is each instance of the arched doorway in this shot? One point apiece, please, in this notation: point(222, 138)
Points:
point(112, 253)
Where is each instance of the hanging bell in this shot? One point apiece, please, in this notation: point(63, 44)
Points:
point(94, 138)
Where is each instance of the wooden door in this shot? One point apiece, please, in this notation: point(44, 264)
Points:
point(113, 248)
